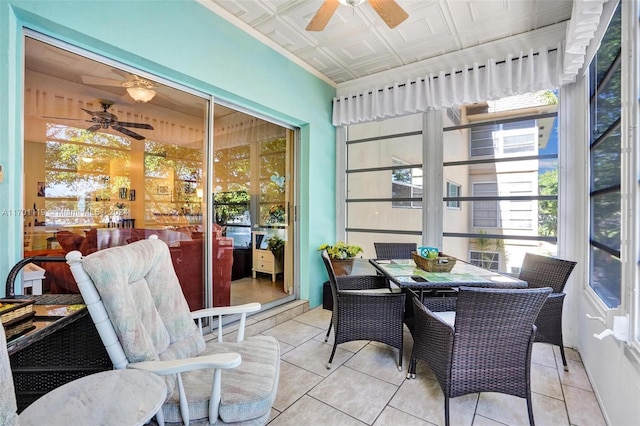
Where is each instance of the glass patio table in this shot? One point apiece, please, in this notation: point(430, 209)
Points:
point(406, 275)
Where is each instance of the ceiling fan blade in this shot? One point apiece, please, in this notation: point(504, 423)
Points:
point(128, 132)
point(88, 111)
point(322, 16)
point(94, 128)
point(389, 11)
point(64, 118)
point(97, 81)
point(135, 125)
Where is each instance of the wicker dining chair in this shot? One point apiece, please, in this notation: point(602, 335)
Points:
point(484, 346)
point(543, 271)
point(364, 308)
point(394, 250)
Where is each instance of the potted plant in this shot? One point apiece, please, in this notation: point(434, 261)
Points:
point(276, 245)
point(341, 255)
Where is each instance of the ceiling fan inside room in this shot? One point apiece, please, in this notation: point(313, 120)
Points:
point(390, 12)
point(104, 120)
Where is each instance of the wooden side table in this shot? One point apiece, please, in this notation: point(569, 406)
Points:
point(110, 398)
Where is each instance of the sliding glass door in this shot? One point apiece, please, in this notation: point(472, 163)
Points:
point(112, 156)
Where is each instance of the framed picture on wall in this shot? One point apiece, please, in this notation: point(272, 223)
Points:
point(41, 189)
point(132, 195)
point(163, 190)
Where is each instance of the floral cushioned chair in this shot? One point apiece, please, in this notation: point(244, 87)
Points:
point(135, 299)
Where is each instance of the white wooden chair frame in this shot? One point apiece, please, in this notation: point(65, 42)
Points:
point(107, 333)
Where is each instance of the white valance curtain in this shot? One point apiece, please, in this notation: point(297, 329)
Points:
point(585, 18)
point(541, 69)
point(527, 72)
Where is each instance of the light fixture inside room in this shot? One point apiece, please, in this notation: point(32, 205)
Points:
point(140, 93)
point(86, 159)
point(352, 3)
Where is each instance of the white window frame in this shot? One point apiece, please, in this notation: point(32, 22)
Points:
point(475, 206)
point(415, 187)
point(501, 143)
point(453, 205)
point(496, 258)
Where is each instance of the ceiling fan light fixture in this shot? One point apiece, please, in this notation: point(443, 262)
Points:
point(141, 94)
point(351, 3)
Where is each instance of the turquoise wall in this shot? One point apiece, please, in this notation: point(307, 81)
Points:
point(185, 42)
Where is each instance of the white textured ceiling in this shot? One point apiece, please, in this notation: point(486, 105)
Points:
point(357, 43)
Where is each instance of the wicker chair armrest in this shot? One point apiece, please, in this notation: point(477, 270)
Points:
point(433, 342)
point(555, 296)
point(361, 282)
point(381, 310)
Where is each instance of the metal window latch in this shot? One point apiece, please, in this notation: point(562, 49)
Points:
point(619, 331)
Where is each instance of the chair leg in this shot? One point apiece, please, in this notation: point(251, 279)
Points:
point(564, 359)
point(446, 410)
point(333, 352)
point(530, 409)
point(329, 330)
point(411, 370)
point(160, 417)
point(400, 359)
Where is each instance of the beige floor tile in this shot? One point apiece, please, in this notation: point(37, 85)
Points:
point(576, 376)
point(502, 408)
point(357, 394)
point(314, 355)
point(393, 417)
point(478, 420)
point(379, 362)
point(294, 383)
point(545, 381)
point(549, 411)
point(363, 372)
point(353, 346)
point(583, 407)
point(316, 317)
point(423, 398)
point(293, 332)
point(543, 354)
point(308, 411)
point(570, 353)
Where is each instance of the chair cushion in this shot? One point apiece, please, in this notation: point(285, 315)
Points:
point(248, 391)
point(448, 316)
point(144, 301)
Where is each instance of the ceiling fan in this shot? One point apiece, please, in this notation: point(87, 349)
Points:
point(390, 12)
point(104, 119)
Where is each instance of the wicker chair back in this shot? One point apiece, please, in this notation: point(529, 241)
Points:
point(364, 308)
point(544, 271)
point(487, 349)
point(394, 250)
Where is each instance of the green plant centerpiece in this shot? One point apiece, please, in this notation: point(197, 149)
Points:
point(341, 255)
point(276, 245)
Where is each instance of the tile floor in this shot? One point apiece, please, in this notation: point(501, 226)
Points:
point(364, 386)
